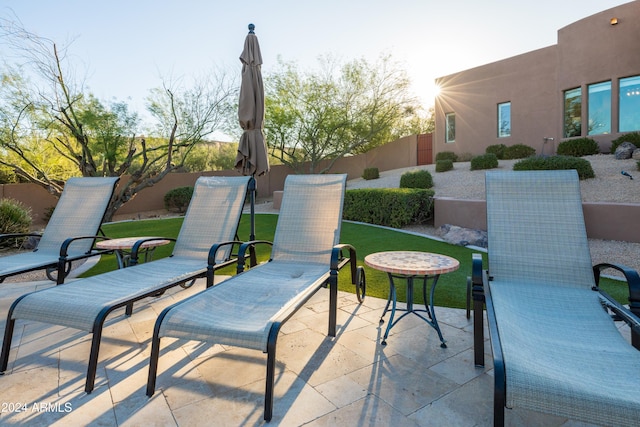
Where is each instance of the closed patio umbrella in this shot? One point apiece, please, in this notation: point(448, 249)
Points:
point(252, 152)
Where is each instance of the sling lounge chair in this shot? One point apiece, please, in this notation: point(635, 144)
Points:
point(556, 348)
point(248, 309)
point(204, 244)
point(77, 217)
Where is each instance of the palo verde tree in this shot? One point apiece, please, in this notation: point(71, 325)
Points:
point(312, 119)
point(43, 105)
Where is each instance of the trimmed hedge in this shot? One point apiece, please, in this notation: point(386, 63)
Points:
point(444, 165)
point(447, 155)
point(497, 149)
point(578, 147)
point(583, 166)
point(484, 161)
point(416, 179)
point(15, 217)
point(371, 173)
point(391, 207)
point(177, 199)
point(518, 151)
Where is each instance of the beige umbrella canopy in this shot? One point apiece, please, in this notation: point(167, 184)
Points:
point(252, 152)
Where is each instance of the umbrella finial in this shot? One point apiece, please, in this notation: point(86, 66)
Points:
point(251, 28)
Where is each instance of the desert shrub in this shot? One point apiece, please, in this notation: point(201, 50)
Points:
point(416, 179)
point(578, 147)
point(484, 161)
point(582, 166)
point(15, 217)
point(391, 207)
point(519, 151)
point(632, 137)
point(638, 166)
point(447, 155)
point(177, 199)
point(371, 173)
point(497, 149)
point(444, 165)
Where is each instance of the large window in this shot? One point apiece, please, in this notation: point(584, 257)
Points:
point(572, 112)
point(451, 127)
point(629, 104)
point(599, 108)
point(504, 119)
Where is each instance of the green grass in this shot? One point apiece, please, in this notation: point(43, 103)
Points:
point(450, 291)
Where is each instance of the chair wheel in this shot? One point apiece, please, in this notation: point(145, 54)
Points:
point(361, 284)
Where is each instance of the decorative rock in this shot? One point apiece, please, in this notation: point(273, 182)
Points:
point(463, 236)
point(31, 243)
point(636, 154)
point(624, 151)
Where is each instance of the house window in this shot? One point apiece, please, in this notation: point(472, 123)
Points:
point(504, 119)
point(629, 104)
point(599, 105)
point(451, 127)
point(572, 112)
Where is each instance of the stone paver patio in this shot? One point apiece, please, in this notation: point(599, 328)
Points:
point(320, 381)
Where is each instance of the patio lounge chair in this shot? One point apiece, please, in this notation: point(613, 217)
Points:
point(77, 217)
point(248, 309)
point(556, 348)
point(203, 245)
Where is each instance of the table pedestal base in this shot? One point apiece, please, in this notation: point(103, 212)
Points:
point(428, 304)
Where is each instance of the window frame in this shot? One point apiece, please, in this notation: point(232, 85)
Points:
point(450, 128)
point(502, 132)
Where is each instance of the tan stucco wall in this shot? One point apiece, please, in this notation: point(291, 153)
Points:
point(588, 51)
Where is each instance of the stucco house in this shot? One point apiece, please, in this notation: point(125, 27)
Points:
point(587, 85)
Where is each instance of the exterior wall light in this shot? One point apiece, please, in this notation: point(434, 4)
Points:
point(613, 21)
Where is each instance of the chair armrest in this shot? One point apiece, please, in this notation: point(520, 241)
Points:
point(135, 249)
point(14, 235)
point(631, 315)
point(211, 260)
point(64, 248)
point(243, 250)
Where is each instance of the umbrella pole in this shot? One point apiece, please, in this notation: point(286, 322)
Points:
point(252, 200)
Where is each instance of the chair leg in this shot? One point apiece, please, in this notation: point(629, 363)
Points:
point(478, 331)
point(93, 359)
point(271, 372)
point(333, 302)
point(6, 343)
point(155, 353)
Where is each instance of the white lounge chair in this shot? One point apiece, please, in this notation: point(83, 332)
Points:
point(70, 233)
point(556, 348)
point(203, 245)
point(248, 309)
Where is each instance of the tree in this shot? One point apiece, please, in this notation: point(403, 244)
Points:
point(43, 105)
point(316, 118)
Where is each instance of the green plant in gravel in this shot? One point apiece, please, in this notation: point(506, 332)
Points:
point(371, 173)
point(177, 199)
point(447, 155)
point(632, 137)
point(582, 166)
point(444, 165)
point(416, 179)
point(497, 149)
point(484, 161)
point(391, 207)
point(15, 217)
point(578, 147)
point(518, 151)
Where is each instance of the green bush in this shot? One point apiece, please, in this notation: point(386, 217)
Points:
point(444, 165)
point(497, 149)
point(556, 163)
point(416, 179)
point(14, 218)
point(371, 173)
point(484, 161)
point(578, 147)
point(632, 137)
point(638, 165)
point(447, 155)
point(177, 199)
point(519, 151)
point(391, 207)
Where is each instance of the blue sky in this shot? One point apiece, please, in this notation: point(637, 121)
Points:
point(127, 46)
